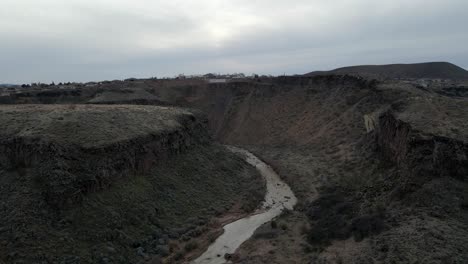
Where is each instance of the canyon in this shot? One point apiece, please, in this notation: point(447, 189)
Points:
point(378, 165)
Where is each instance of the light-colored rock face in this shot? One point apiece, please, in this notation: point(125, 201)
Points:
point(369, 122)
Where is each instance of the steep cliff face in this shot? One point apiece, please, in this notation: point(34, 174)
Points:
point(283, 110)
point(68, 167)
point(126, 96)
point(384, 158)
point(97, 183)
point(419, 154)
point(385, 171)
point(426, 135)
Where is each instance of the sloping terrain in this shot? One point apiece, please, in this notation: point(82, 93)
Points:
point(378, 164)
point(111, 184)
point(126, 96)
point(330, 138)
point(99, 125)
point(429, 70)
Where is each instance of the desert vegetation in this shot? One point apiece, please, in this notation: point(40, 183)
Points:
point(91, 196)
point(377, 159)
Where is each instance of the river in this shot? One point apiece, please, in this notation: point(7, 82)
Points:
point(277, 198)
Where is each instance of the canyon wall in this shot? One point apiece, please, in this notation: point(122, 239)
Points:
point(420, 154)
point(68, 169)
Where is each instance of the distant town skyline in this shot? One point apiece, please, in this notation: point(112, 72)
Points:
point(93, 40)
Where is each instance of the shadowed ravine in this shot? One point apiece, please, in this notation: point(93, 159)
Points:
point(278, 197)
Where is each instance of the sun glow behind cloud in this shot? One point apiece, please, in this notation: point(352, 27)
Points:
point(105, 39)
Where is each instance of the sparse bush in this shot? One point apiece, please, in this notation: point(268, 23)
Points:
point(274, 224)
point(178, 255)
point(307, 249)
point(286, 212)
point(266, 235)
point(332, 216)
point(71, 107)
point(191, 246)
point(304, 229)
point(172, 246)
point(163, 250)
point(335, 215)
point(367, 225)
point(212, 237)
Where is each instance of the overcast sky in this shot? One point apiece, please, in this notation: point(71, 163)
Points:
point(84, 40)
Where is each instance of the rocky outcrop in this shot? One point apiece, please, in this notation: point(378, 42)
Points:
point(279, 110)
point(421, 155)
point(126, 96)
point(369, 122)
point(66, 170)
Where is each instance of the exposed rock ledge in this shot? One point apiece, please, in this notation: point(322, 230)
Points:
point(76, 149)
point(420, 152)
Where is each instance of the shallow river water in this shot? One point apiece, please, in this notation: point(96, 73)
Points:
point(278, 197)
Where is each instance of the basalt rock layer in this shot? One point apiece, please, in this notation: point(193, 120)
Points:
point(72, 154)
point(112, 183)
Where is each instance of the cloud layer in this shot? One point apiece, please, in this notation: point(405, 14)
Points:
point(81, 40)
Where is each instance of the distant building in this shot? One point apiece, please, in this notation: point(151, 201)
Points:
point(90, 84)
point(217, 80)
point(238, 76)
point(209, 76)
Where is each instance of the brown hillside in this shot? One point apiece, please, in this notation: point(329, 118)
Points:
point(430, 70)
point(370, 162)
point(379, 166)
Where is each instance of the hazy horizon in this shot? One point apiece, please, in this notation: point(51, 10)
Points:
point(52, 40)
point(199, 74)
